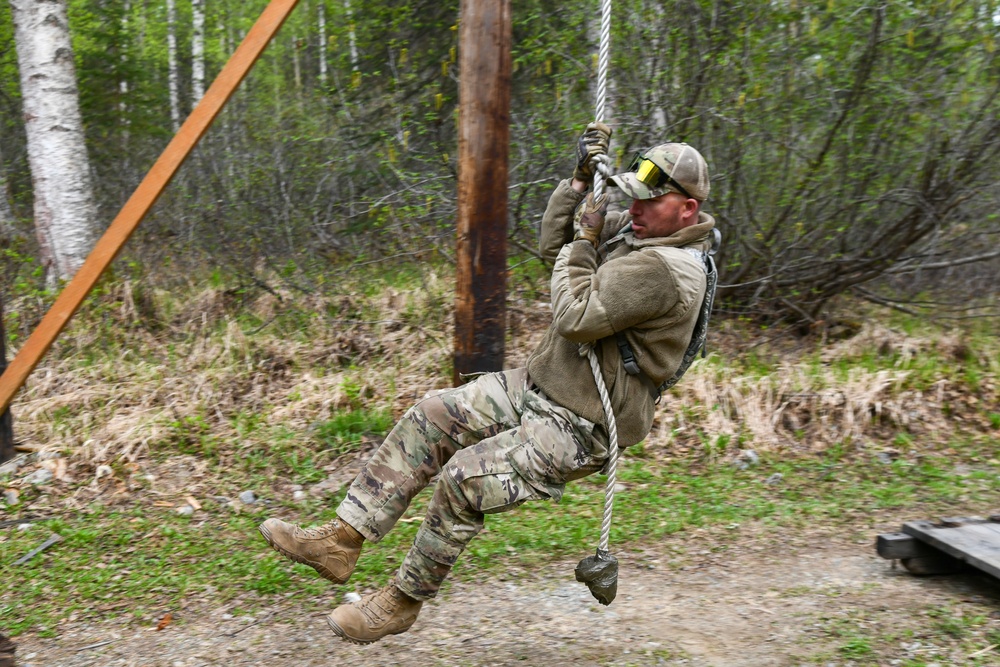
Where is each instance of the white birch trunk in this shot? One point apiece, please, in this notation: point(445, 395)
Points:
point(123, 83)
point(321, 20)
point(351, 37)
point(197, 51)
point(173, 76)
point(57, 155)
point(296, 69)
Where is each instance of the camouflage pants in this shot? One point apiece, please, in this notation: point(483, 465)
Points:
point(496, 442)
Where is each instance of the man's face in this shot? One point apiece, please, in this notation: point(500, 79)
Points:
point(663, 215)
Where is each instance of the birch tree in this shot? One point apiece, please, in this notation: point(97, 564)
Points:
point(173, 74)
point(352, 38)
point(197, 51)
point(64, 206)
point(321, 21)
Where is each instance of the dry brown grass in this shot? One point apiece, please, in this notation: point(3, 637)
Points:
point(805, 404)
point(153, 368)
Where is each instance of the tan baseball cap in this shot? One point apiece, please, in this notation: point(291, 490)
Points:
point(673, 167)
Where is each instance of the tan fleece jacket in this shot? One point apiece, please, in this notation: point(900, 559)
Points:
point(649, 288)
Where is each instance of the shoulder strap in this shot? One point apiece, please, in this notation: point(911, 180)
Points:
point(699, 336)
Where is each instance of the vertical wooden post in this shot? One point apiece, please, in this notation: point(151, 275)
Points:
point(6, 421)
point(483, 146)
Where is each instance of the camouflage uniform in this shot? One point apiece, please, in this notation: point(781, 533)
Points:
point(506, 438)
point(497, 442)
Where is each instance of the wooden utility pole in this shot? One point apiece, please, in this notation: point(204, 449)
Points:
point(483, 145)
point(6, 421)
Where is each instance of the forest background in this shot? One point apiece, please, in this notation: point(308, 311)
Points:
point(853, 146)
point(291, 292)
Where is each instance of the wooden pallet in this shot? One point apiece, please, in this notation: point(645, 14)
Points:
point(947, 546)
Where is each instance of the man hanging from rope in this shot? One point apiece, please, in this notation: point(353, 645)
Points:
point(522, 434)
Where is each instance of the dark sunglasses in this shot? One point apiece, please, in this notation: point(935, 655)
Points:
point(650, 174)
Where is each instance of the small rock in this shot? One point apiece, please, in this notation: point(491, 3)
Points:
point(46, 456)
point(38, 477)
point(750, 457)
point(185, 510)
point(103, 471)
point(299, 495)
point(24, 526)
point(12, 466)
point(327, 487)
point(774, 479)
point(887, 455)
point(248, 497)
point(11, 496)
point(619, 487)
point(351, 596)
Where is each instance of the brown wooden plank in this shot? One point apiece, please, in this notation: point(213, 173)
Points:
point(993, 526)
point(972, 540)
point(894, 546)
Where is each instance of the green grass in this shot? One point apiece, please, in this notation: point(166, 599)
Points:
point(140, 561)
point(148, 559)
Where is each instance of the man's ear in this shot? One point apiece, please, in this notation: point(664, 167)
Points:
point(691, 208)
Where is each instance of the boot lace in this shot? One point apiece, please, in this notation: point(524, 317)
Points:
point(320, 532)
point(380, 606)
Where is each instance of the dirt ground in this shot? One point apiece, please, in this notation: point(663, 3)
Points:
point(788, 599)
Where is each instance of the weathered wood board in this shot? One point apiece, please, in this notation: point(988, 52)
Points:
point(972, 540)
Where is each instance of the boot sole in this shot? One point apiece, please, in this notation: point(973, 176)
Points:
point(320, 569)
point(339, 631)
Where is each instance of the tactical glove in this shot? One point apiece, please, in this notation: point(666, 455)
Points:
point(589, 219)
point(593, 144)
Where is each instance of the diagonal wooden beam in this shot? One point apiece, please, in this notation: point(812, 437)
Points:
point(149, 190)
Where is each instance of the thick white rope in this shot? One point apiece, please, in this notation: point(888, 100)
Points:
point(609, 490)
point(603, 60)
point(609, 414)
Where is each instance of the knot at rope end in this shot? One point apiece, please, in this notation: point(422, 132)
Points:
point(600, 573)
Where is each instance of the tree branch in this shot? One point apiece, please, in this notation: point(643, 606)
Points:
point(944, 265)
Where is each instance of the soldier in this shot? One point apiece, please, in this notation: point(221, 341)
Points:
point(522, 434)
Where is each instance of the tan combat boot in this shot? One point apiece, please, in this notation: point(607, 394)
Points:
point(388, 611)
point(331, 549)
